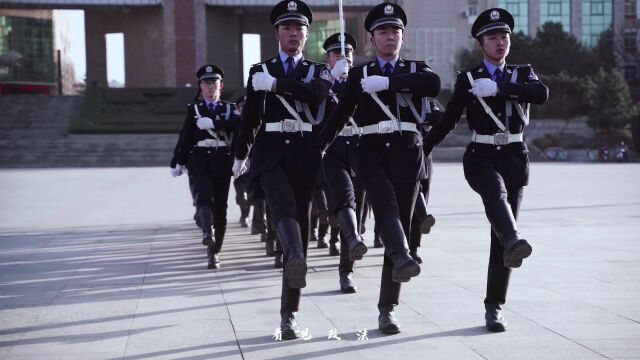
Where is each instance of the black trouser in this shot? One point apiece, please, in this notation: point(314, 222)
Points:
point(286, 200)
point(209, 170)
point(390, 200)
point(415, 241)
point(491, 187)
point(344, 191)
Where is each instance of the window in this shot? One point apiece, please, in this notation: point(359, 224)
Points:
point(555, 8)
point(597, 16)
point(473, 8)
point(520, 11)
point(250, 53)
point(630, 42)
point(597, 8)
point(630, 8)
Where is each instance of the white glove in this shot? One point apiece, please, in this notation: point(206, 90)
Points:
point(204, 123)
point(340, 69)
point(239, 167)
point(178, 170)
point(262, 81)
point(484, 87)
point(374, 84)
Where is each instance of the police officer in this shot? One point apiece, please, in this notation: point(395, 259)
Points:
point(387, 95)
point(496, 164)
point(284, 96)
point(205, 142)
point(338, 171)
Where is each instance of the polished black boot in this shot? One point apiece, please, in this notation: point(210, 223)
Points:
point(313, 225)
point(425, 220)
point(387, 322)
point(346, 284)
point(334, 250)
point(219, 232)
point(213, 259)
point(270, 246)
point(289, 326)
point(348, 225)
point(504, 225)
point(395, 243)
point(497, 284)
point(206, 219)
point(413, 252)
point(295, 264)
point(245, 208)
point(259, 220)
point(322, 235)
point(278, 262)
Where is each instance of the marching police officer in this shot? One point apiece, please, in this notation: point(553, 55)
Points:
point(204, 147)
point(387, 95)
point(338, 170)
point(285, 95)
point(496, 165)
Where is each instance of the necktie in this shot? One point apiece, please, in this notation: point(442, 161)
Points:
point(210, 106)
point(290, 68)
point(497, 75)
point(388, 69)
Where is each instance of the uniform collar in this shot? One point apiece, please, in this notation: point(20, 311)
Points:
point(492, 68)
point(207, 102)
point(382, 62)
point(296, 58)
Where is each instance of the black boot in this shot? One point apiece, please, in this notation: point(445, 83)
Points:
point(322, 235)
point(278, 262)
point(377, 243)
point(395, 243)
point(295, 265)
point(196, 218)
point(214, 261)
point(413, 252)
point(289, 326)
point(206, 219)
point(313, 225)
point(270, 246)
point(259, 220)
point(504, 225)
point(346, 285)
point(348, 225)
point(497, 285)
point(425, 220)
point(245, 208)
point(387, 322)
point(333, 242)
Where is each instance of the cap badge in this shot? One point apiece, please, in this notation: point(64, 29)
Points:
point(292, 6)
point(388, 10)
point(208, 69)
point(495, 15)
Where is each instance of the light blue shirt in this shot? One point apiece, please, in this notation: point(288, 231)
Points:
point(207, 102)
point(492, 69)
point(382, 62)
point(284, 56)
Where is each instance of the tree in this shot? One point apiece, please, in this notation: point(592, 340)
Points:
point(611, 107)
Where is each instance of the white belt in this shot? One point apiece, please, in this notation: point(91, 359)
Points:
point(388, 126)
point(349, 131)
point(496, 139)
point(287, 125)
point(211, 143)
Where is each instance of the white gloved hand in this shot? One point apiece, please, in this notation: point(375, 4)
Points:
point(374, 84)
point(204, 123)
point(178, 170)
point(484, 87)
point(239, 167)
point(262, 81)
point(340, 69)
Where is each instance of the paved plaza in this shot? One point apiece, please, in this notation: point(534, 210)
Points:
point(107, 264)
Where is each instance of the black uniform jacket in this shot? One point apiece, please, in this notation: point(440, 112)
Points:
point(343, 149)
point(300, 154)
point(401, 154)
point(512, 158)
point(225, 123)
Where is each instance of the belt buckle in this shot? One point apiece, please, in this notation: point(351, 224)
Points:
point(347, 131)
point(501, 139)
point(210, 142)
point(385, 127)
point(288, 125)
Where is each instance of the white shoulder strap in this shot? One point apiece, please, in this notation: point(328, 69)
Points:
point(486, 107)
point(300, 106)
point(198, 116)
point(286, 104)
point(382, 106)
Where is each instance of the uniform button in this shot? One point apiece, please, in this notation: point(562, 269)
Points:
point(498, 147)
point(499, 114)
point(347, 142)
point(387, 144)
point(287, 141)
point(208, 151)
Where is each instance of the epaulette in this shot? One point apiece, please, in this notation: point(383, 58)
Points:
point(519, 66)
